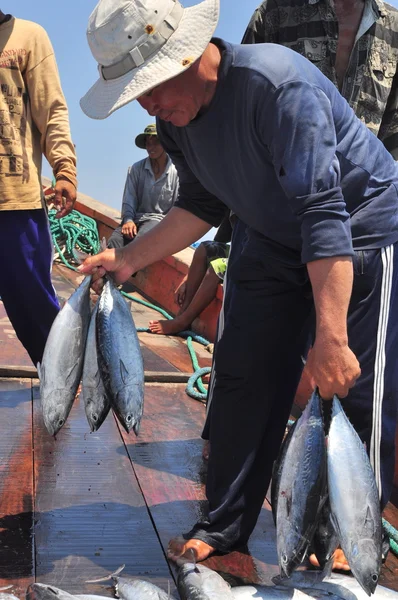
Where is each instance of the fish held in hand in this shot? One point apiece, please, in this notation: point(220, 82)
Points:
point(354, 500)
point(120, 358)
point(61, 368)
point(96, 401)
point(301, 490)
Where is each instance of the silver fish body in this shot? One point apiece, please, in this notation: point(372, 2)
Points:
point(344, 586)
point(302, 486)
point(262, 592)
point(61, 368)
point(96, 401)
point(120, 358)
point(277, 470)
point(197, 582)
point(4, 596)
point(138, 589)
point(43, 591)
point(354, 500)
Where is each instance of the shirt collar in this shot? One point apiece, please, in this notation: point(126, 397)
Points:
point(148, 166)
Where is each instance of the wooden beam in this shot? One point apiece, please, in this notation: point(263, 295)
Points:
point(30, 372)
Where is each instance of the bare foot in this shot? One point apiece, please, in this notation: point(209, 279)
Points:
point(340, 562)
point(167, 327)
point(206, 450)
point(181, 550)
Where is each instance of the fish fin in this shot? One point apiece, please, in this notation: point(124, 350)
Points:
point(71, 372)
point(123, 372)
point(79, 255)
point(108, 577)
point(103, 244)
point(39, 370)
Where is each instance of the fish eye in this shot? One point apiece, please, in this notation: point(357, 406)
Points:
point(60, 423)
point(375, 578)
point(94, 417)
point(284, 558)
point(129, 418)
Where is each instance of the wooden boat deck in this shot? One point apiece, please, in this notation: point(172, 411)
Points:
point(78, 506)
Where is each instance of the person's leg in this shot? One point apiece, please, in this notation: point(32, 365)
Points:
point(258, 368)
point(206, 293)
point(144, 225)
point(239, 237)
point(196, 274)
point(25, 283)
point(371, 405)
point(117, 239)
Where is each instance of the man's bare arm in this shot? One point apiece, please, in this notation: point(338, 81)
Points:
point(333, 366)
point(175, 232)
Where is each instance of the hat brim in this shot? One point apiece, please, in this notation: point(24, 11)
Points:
point(140, 140)
point(184, 47)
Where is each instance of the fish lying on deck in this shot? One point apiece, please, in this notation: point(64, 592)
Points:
point(301, 489)
point(127, 588)
point(262, 592)
point(344, 586)
point(120, 358)
point(61, 368)
point(197, 582)
point(96, 401)
point(43, 591)
point(354, 500)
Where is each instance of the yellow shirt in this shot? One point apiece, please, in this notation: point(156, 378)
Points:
point(33, 116)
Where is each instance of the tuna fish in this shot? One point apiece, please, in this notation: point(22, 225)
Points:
point(96, 402)
point(127, 588)
point(354, 500)
point(42, 591)
point(344, 586)
point(119, 357)
point(61, 368)
point(262, 592)
point(301, 487)
point(195, 581)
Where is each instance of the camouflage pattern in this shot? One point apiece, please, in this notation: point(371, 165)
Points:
point(370, 84)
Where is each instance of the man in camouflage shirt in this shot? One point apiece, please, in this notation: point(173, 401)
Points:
point(353, 42)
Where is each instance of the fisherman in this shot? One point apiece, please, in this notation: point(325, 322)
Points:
point(353, 42)
point(34, 121)
point(260, 129)
point(150, 190)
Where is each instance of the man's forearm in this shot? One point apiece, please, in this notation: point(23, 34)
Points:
point(176, 231)
point(331, 280)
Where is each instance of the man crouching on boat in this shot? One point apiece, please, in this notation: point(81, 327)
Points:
point(261, 130)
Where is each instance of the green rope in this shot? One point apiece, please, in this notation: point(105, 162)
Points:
point(75, 231)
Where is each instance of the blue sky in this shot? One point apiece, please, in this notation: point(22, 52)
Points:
point(105, 148)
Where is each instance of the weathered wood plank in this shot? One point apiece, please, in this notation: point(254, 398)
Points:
point(91, 516)
point(16, 486)
point(168, 463)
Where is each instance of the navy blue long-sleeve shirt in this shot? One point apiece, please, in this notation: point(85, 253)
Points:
point(284, 151)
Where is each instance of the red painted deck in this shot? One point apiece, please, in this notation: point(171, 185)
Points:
point(78, 506)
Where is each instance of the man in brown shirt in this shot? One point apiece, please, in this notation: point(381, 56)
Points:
point(33, 121)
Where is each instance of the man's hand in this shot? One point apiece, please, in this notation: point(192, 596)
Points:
point(129, 229)
point(333, 367)
point(111, 260)
point(65, 197)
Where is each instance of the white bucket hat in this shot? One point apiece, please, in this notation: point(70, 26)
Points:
point(139, 44)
